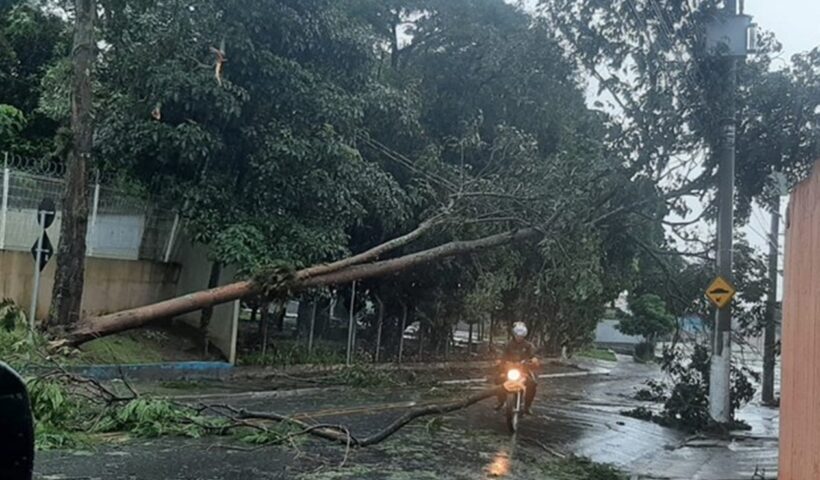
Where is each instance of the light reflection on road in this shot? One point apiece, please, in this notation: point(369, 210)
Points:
point(500, 466)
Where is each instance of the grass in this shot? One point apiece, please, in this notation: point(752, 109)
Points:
point(120, 349)
point(599, 354)
point(579, 468)
point(293, 352)
point(181, 385)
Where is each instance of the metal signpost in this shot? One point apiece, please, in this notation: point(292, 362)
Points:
point(41, 251)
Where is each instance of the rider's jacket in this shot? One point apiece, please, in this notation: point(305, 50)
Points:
point(517, 351)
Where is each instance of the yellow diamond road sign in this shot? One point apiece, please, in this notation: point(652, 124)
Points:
point(720, 292)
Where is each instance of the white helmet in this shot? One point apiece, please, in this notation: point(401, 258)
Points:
point(519, 329)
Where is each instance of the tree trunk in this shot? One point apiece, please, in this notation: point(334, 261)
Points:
point(69, 277)
point(403, 327)
point(470, 338)
point(263, 318)
point(379, 330)
point(312, 325)
point(117, 322)
point(492, 328)
point(281, 311)
point(254, 313)
point(421, 341)
point(770, 330)
point(208, 312)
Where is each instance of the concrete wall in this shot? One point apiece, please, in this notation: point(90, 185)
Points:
point(111, 285)
point(800, 378)
point(223, 328)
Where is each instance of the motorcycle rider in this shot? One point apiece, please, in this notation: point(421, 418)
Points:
point(518, 350)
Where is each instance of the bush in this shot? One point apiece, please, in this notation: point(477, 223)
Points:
point(686, 397)
point(653, 392)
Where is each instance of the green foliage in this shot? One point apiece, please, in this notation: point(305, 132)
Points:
point(649, 318)
point(61, 418)
point(31, 40)
point(12, 123)
point(11, 317)
point(154, 418)
point(685, 396)
point(55, 99)
point(276, 434)
point(778, 131)
point(365, 376)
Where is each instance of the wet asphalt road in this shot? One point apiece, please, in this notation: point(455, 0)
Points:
point(572, 415)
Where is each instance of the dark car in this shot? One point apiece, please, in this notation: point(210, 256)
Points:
point(16, 427)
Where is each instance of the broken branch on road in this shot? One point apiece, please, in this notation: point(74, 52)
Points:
point(340, 433)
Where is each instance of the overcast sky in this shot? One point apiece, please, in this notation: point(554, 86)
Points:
point(796, 23)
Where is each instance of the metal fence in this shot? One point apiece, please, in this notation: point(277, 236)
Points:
point(121, 225)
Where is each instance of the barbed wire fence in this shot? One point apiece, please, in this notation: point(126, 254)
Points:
point(122, 225)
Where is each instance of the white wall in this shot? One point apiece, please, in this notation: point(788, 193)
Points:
point(196, 270)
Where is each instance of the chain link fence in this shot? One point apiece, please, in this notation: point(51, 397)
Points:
point(121, 225)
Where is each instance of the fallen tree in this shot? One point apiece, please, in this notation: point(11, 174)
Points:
point(280, 282)
point(335, 273)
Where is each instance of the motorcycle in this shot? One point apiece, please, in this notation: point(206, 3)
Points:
point(515, 386)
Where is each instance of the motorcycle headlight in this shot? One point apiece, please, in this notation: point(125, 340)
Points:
point(514, 375)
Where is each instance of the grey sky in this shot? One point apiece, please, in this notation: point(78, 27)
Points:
point(796, 23)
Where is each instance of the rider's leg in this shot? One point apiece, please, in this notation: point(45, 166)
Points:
point(501, 397)
point(530, 394)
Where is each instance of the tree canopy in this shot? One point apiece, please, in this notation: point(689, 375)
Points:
point(293, 133)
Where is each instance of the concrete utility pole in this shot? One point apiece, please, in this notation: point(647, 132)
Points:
point(728, 37)
point(771, 305)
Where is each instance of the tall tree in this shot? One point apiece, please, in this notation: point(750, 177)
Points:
point(69, 277)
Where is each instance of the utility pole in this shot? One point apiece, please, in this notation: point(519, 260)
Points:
point(769, 332)
point(778, 190)
point(728, 37)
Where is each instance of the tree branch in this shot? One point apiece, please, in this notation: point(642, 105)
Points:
point(341, 434)
point(371, 254)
